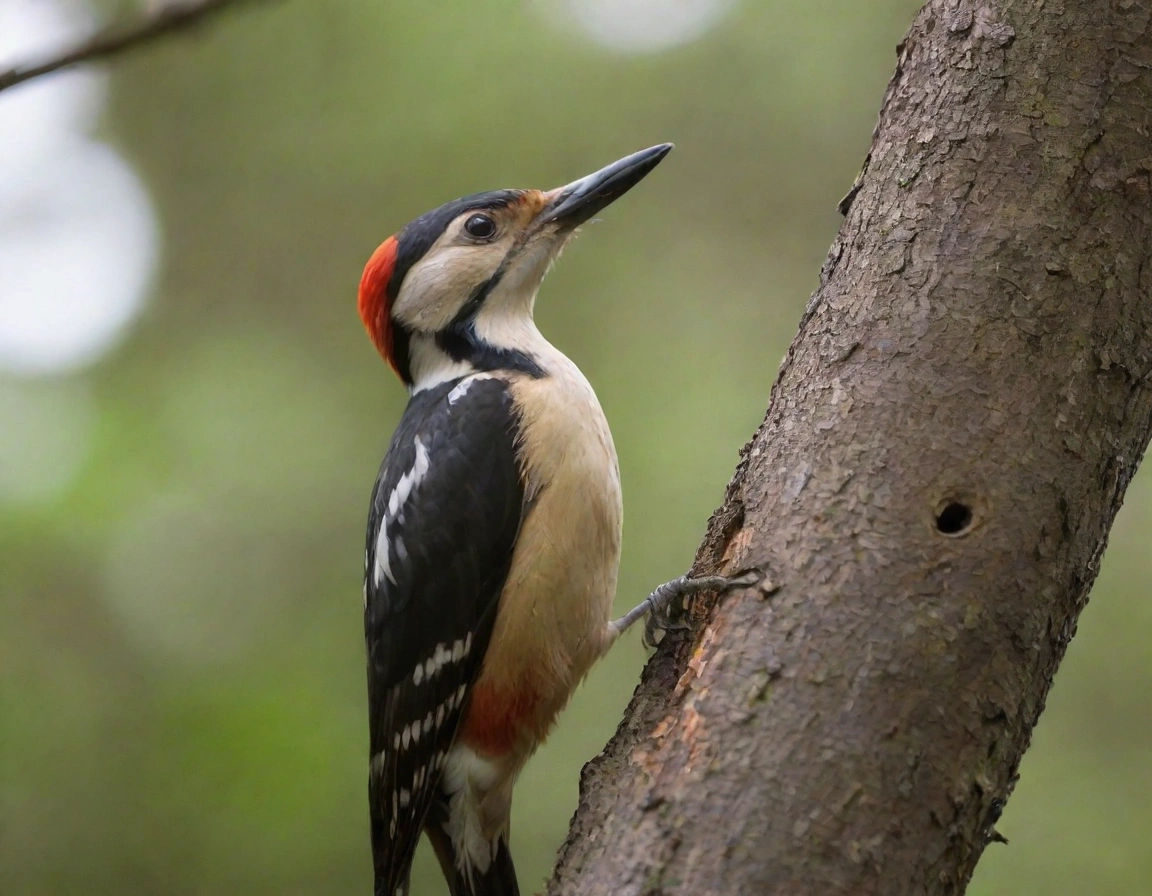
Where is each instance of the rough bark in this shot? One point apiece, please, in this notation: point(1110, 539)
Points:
point(944, 452)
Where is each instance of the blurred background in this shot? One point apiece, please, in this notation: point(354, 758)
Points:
point(191, 417)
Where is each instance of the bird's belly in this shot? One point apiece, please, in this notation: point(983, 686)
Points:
point(552, 623)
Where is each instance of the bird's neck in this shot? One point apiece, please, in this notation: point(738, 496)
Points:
point(487, 343)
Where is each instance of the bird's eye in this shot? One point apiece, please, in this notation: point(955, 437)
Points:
point(480, 226)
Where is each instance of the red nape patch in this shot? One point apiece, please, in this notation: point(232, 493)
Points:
point(374, 304)
point(496, 721)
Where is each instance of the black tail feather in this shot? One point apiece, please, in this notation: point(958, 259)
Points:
point(402, 890)
point(498, 880)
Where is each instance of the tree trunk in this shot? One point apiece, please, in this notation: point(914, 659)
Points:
point(944, 452)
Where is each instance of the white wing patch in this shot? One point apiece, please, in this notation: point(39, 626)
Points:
point(444, 654)
point(462, 387)
point(394, 511)
point(411, 734)
point(408, 481)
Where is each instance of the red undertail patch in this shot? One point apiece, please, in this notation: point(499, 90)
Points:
point(497, 721)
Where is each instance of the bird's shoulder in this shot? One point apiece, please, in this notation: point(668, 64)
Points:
point(448, 436)
point(443, 518)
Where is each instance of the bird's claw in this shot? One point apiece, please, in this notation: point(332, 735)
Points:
point(666, 605)
point(743, 579)
point(663, 619)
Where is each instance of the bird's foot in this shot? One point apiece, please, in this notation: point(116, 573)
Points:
point(667, 603)
point(664, 607)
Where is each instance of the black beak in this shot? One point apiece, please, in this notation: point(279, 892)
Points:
point(580, 200)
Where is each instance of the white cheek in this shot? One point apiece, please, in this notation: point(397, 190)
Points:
point(435, 288)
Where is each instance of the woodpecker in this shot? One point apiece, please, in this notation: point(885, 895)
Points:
point(494, 527)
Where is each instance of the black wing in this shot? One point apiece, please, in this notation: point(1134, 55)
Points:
point(443, 522)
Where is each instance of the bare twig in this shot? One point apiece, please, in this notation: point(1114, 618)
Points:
point(167, 19)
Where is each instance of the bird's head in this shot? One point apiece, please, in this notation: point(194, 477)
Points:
point(453, 290)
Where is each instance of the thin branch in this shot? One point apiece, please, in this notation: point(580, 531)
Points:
point(168, 19)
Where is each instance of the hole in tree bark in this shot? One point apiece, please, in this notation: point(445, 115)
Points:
point(954, 519)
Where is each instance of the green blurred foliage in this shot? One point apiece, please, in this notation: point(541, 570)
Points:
point(180, 645)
